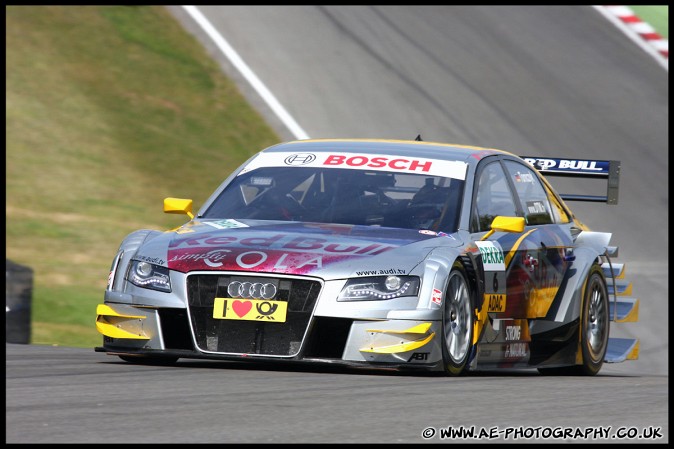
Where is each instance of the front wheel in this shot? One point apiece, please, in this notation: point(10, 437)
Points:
point(457, 323)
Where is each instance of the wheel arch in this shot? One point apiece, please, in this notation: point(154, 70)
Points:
point(566, 307)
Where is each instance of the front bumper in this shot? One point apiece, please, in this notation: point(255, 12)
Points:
point(394, 343)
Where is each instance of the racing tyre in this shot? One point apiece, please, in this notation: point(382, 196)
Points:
point(457, 323)
point(146, 360)
point(594, 323)
point(594, 328)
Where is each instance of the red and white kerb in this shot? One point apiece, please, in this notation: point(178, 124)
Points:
point(645, 31)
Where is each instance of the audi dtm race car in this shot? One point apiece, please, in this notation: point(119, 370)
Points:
point(378, 254)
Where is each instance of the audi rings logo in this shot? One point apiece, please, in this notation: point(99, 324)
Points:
point(300, 159)
point(251, 290)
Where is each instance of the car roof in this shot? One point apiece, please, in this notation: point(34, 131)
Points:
point(422, 149)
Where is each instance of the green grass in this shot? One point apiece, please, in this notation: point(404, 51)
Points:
point(109, 109)
point(656, 15)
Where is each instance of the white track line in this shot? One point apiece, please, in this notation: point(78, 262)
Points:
point(236, 60)
point(638, 31)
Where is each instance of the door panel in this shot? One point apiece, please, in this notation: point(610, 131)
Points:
point(535, 267)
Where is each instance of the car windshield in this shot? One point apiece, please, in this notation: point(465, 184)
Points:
point(344, 196)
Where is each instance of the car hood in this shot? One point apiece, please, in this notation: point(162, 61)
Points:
point(318, 249)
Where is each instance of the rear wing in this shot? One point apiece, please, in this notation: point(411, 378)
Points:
point(581, 168)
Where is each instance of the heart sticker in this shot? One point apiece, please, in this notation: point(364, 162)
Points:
point(241, 308)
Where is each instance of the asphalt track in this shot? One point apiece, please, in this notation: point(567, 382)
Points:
point(73, 395)
point(548, 81)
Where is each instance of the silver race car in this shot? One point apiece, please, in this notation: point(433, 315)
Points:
point(378, 254)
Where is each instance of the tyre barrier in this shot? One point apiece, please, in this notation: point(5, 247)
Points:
point(18, 298)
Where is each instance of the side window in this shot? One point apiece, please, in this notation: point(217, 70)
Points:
point(532, 195)
point(558, 212)
point(493, 197)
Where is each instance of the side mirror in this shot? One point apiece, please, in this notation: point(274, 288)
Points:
point(505, 224)
point(178, 206)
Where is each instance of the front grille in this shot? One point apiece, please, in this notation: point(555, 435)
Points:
point(250, 337)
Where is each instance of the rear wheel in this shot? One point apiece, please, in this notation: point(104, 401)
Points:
point(594, 323)
point(594, 328)
point(457, 323)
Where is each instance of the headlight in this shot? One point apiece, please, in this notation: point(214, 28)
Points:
point(147, 275)
point(378, 288)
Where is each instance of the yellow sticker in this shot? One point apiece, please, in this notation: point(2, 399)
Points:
point(250, 310)
point(496, 302)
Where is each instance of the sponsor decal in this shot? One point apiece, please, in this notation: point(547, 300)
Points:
point(437, 297)
point(378, 162)
point(516, 350)
point(389, 271)
point(516, 330)
point(273, 252)
point(418, 357)
point(495, 302)
point(153, 260)
point(536, 207)
point(530, 261)
point(285, 242)
point(250, 310)
point(261, 260)
point(300, 159)
point(495, 291)
point(261, 181)
point(524, 177)
point(513, 332)
point(427, 232)
point(569, 165)
point(225, 224)
point(492, 255)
